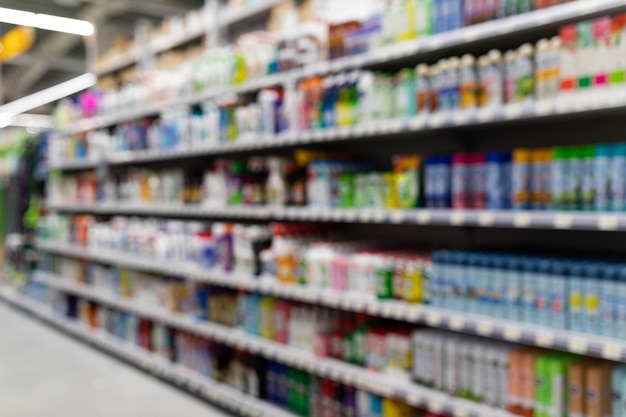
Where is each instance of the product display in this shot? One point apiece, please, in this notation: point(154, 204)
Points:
point(318, 208)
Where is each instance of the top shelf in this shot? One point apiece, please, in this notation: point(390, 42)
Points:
point(226, 19)
point(489, 31)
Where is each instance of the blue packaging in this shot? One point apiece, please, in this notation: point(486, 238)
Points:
point(608, 293)
point(497, 285)
point(445, 182)
point(498, 181)
point(462, 280)
point(602, 173)
point(472, 282)
point(541, 313)
point(576, 295)
point(441, 268)
point(620, 313)
point(376, 405)
point(618, 182)
point(528, 287)
point(591, 300)
point(454, 15)
point(483, 285)
point(201, 310)
point(512, 277)
point(439, 13)
point(557, 294)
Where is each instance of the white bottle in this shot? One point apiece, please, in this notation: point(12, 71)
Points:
point(276, 184)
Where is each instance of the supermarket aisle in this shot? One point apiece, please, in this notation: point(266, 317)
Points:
point(43, 372)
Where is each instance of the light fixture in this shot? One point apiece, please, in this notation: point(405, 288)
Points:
point(46, 21)
point(40, 98)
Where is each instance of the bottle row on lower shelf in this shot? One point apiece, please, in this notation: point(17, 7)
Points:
point(480, 370)
point(377, 383)
point(459, 321)
point(211, 390)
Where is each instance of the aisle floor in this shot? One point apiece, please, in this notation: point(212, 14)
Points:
point(43, 372)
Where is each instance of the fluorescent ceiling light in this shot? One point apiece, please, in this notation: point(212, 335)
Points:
point(46, 96)
point(46, 21)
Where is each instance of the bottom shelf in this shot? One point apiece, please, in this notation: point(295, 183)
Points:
point(215, 392)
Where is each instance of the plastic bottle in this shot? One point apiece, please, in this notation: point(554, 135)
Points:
point(468, 83)
point(498, 184)
point(422, 89)
point(525, 73)
point(603, 162)
point(618, 182)
point(510, 76)
point(461, 182)
point(405, 94)
point(276, 184)
point(588, 181)
point(478, 175)
point(521, 176)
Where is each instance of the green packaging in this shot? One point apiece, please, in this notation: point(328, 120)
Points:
point(384, 280)
point(424, 18)
point(346, 187)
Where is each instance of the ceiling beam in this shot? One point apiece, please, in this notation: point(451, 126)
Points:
point(59, 44)
point(60, 63)
point(97, 12)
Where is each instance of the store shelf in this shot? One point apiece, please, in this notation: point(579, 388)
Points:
point(483, 32)
point(121, 61)
point(231, 18)
point(566, 107)
point(212, 391)
point(512, 331)
point(164, 44)
point(603, 221)
point(387, 386)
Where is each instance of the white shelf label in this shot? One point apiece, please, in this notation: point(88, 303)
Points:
point(577, 345)
point(397, 216)
point(512, 334)
point(612, 351)
point(423, 217)
point(563, 221)
point(437, 120)
point(544, 338)
point(484, 328)
point(433, 319)
point(522, 220)
point(486, 219)
point(435, 405)
point(416, 123)
point(414, 399)
point(460, 412)
point(462, 117)
point(608, 223)
point(457, 323)
point(457, 219)
point(513, 111)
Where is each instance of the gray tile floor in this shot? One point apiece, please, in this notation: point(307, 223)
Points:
point(45, 373)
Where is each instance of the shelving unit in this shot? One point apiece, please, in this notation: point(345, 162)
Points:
point(424, 217)
point(576, 106)
point(461, 38)
point(224, 20)
point(512, 331)
point(386, 386)
point(606, 103)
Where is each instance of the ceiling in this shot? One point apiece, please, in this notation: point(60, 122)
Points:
point(56, 57)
